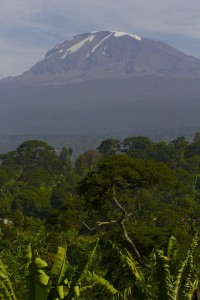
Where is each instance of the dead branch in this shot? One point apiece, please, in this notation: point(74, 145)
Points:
point(99, 223)
point(121, 222)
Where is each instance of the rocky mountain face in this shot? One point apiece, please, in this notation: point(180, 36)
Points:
point(108, 55)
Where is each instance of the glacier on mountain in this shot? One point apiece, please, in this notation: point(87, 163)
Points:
point(77, 46)
point(62, 49)
point(97, 45)
point(119, 34)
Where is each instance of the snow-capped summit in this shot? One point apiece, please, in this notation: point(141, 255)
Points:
point(96, 39)
point(108, 54)
point(120, 34)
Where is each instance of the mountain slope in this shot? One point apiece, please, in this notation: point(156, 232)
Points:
point(104, 84)
point(125, 107)
point(108, 55)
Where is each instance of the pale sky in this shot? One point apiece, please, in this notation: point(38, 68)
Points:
point(29, 28)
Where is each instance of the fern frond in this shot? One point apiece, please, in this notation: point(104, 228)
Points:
point(163, 277)
point(99, 284)
point(172, 248)
point(128, 277)
point(6, 289)
point(186, 280)
point(82, 273)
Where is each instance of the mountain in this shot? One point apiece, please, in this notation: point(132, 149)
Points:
point(108, 55)
point(103, 84)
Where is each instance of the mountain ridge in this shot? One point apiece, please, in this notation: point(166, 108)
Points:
point(107, 55)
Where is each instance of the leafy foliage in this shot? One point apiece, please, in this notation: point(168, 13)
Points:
point(44, 200)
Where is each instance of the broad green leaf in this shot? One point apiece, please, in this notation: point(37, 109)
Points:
point(43, 277)
point(60, 292)
point(40, 263)
point(59, 269)
point(77, 291)
point(59, 266)
point(38, 280)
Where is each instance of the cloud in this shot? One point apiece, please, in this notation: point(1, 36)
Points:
point(57, 15)
point(30, 28)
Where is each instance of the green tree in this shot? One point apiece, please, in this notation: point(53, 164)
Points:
point(31, 202)
point(37, 177)
point(87, 161)
point(109, 147)
point(65, 160)
point(60, 196)
point(111, 189)
point(194, 148)
point(138, 147)
point(32, 154)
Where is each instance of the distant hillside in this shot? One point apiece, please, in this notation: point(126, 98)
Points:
point(110, 107)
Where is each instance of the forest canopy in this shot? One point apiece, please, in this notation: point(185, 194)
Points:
point(126, 200)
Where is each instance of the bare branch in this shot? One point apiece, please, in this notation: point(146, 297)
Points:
point(89, 228)
point(121, 222)
point(106, 223)
point(129, 215)
point(195, 183)
point(125, 214)
point(117, 203)
point(99, 223)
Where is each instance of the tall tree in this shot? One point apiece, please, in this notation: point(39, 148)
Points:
point(87, 161)
point(109, 147)
point(111, 187)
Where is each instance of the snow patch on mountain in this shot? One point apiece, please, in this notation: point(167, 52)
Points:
point(48, 56)
point(119, 34)
point(97, 45)
point(77, 46)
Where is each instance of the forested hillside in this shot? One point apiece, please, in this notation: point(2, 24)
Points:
point(122, 222)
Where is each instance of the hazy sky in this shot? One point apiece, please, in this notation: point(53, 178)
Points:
point(28, 28)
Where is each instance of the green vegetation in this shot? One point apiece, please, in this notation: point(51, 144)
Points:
point(121, 223)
